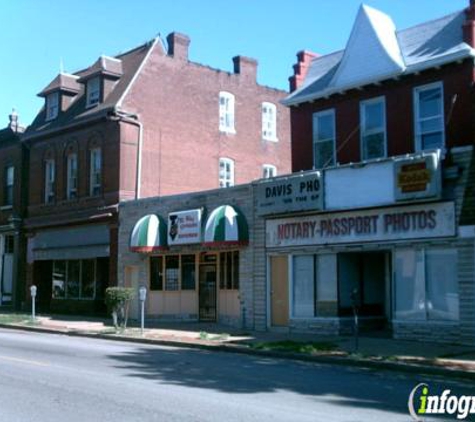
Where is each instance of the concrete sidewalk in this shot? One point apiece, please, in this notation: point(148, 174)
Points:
point(373, 351)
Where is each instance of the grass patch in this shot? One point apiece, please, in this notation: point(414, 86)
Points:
point(216, 337)
point(296, 346)
point(16, 319)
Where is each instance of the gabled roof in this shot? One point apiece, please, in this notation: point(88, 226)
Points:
point(377, 51)
point(62, 82)
point(129, 63)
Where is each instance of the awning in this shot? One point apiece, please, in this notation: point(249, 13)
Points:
point(149, 234)
point(226, 226)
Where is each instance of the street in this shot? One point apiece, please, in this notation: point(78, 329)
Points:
point(45, 377)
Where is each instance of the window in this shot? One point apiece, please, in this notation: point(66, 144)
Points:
point(226, 172)
point(52, 106)
point(429, 117)
point(188, 272)
point(96, 172)
point(93, 92)
point(373, 128)
point(426, 285)
point(156, 273)
point(75, 279)
point(229, 270)
point(72, 182)
point(303, 286)
point(171, 272)
point(49, 181)
point(268, 171)
point(324, 139)
point(9, 183)
point(226, 112)
point(269, 122)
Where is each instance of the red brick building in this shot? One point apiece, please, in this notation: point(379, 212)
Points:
point(144, 123)
point(12, 207)
point(387, 125)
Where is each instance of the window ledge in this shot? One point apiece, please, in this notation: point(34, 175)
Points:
point(270, 139)
point(6, 207)
point(228, 131)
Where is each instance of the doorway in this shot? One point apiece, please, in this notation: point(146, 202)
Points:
point(207, 292)
point(366, 274)
point(279, 291)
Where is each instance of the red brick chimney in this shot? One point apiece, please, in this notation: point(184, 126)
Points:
point(469, 24)
point(304, 58)
point(245, 66)
point(178, 45)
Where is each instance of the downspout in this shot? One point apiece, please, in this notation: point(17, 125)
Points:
point(133, 119)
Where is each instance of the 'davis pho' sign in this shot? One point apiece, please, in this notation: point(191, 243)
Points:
point(290, 194)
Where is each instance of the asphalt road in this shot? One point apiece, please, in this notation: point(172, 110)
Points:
point(51, 378)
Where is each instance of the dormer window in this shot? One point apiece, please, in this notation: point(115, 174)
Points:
point(93, 92)
point(52, 105)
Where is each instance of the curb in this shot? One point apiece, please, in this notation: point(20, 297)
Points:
point(328, 360)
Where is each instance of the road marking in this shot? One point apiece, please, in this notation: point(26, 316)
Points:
point(18, 360)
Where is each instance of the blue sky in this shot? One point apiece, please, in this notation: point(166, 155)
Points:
point(36, 35)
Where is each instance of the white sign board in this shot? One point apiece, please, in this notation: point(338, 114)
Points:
point(184, 227)
point(383, 224)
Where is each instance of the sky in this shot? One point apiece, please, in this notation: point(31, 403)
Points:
point(36, 36)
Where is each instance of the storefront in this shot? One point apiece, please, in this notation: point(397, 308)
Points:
point(195, 260)
point(402, 258)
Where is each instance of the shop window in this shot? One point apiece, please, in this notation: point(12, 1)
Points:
point(303, 286)
point(229, 270)
point(76, 279)
point(324, 139)
point(156, 273)
point(172, 272)
point(373, 128)
point(426, 285)
point(188, 272)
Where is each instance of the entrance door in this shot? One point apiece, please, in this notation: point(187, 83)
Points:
point(207, 292)
point(279, 290)
point(132, 280)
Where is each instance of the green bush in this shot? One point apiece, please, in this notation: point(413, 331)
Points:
point(117, 300)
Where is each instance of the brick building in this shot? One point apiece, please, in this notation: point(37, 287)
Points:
point(13, 155)
point(387, 125)
point(144, 123)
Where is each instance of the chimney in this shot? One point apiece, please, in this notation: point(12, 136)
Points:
point(304, 58)
point(13, 121)
point(178, 45)
point(245, 66)
point(469, 25)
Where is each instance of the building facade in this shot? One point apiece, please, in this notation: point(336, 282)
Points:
point(144, 123)
point(387, 125)
point(13, 157)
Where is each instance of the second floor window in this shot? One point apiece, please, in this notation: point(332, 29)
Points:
point(373, 128)
point(226, 112)
point(96, 172)
point(93, 92)
point(429, 117)
point(49, 181)
point(324, 139)
point(268, 171)
point(9, 184)
point(52, 106)
point(72, 182)
point(226, 172)
point(269, 122)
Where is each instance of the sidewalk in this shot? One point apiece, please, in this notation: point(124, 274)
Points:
point(373, 352)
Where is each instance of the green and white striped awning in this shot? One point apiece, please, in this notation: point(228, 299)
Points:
point(149, 234)
point(226, 226)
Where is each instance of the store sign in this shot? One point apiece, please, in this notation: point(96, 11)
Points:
point(290, 194)
point(417, 178)
point(376, 225)
point(184, 227)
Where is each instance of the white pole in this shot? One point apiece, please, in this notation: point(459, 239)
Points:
point(142, 317)
point(33, 302)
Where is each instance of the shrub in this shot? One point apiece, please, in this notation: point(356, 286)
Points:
point(118, 300)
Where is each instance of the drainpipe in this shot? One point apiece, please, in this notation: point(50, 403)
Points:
point(134, 120)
